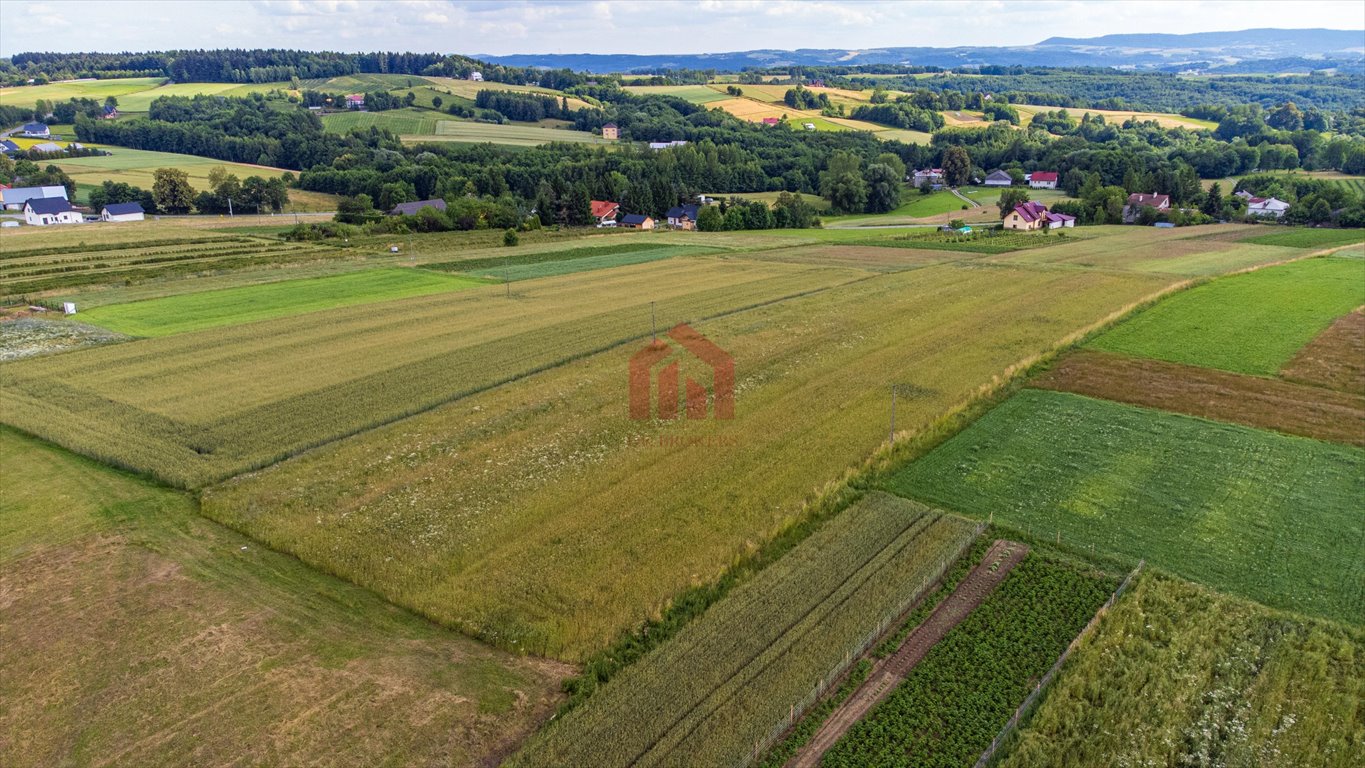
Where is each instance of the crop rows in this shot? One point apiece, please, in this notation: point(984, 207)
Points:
point(725, 680)
point(957, 698)
point(194, 408)
point(143, 265)
point(553, 471)
point(1179, 675)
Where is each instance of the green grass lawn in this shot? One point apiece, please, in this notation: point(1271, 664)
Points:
point(1267, 516)
point(231, 306)
point(1309, 238)
point(1251, 323)
point(551, 268)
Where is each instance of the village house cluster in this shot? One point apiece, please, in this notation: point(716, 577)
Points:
point(48, 205)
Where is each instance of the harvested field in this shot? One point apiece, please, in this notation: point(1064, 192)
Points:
point(1267, 516)
point(31, 336)
point(1177, 674)
point(136, 632)
point(1335, 359)
point(199, 407)
point(1283, 406)
point(1251, 323)
point(728, 678)
point(998, 562)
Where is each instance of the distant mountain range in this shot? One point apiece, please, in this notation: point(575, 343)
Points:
point(1281, 50)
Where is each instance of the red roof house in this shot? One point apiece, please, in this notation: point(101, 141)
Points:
point(770, 121)
point(605, 211)
point(1043, 180)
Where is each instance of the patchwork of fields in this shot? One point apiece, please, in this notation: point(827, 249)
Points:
point(454, 437)
point(730, 679)
point(246, 406)
point(565, 479)
point(1221, 504)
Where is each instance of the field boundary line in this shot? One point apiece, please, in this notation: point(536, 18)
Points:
point(1043, 684)
point(425, 408)
point(995, 565)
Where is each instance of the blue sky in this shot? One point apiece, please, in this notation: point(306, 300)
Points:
point(640, 26)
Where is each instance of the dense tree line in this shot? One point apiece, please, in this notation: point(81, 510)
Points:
point(266, 66)
point(527, 107)
point(245, 130)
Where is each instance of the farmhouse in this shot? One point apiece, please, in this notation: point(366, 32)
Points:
point(930, 176)
point(1139, 200)
point(636, 221)
point(1043, 180)
point(1266, 206)
point(476, 77)
point(15, 198)
point(771, 121)
point(610, 131)
point(355, 101)
point(122, 212)
point(683, 216)
point(1027, 216)
point(409, 209)
point(605, 212)
point(998, 179)
point(50, 210)
point(36, 130)
point(110, 112)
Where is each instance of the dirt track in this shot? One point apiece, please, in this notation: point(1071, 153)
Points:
point(998, 561)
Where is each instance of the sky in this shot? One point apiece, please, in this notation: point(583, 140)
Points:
point(499, 27)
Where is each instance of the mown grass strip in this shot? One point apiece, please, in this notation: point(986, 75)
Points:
point(230, 306)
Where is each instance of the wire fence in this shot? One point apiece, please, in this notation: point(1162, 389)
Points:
point(1042, 685)
point(854, 652)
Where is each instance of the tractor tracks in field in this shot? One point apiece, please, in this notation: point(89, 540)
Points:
point(995, 565)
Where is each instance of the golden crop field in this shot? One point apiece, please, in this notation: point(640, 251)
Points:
point(199, 407)
point(1164, 119)
point(442, 512)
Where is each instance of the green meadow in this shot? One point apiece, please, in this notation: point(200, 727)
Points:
point(1267, 516)
point(230, 306)
point(1251, 323)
